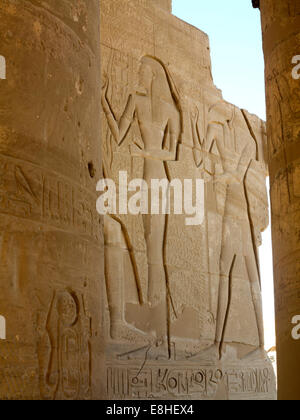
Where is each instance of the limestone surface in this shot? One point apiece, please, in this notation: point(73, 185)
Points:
point(281, 36)
point(184, 309)
point(51, 249)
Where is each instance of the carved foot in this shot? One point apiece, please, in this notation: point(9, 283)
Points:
point(211, 354)
point(159, 351)
point(124, 332)
point(154, 351)
point(137, 354)
point(258, 354)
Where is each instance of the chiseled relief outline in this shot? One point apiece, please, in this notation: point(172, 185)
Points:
point(224, 146)
point(117, 127)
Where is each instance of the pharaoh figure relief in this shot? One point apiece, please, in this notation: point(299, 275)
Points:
point(155, 106)
point(184, 307)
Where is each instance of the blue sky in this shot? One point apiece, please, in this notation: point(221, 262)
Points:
point(235, 36)
point(234, 30)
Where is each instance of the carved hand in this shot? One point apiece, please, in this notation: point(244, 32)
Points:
point(163, 155)
point(229, 178)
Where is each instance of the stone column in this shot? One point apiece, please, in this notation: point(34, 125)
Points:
point(281, 37)
point(51, 262)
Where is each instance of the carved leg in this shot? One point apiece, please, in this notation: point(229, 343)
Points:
point(157, 282)
point(256, 296)
point(115, 247)
point(214, 352)
point(154, 236)
point(114, 286)
point(222, 308)
point(227, 261)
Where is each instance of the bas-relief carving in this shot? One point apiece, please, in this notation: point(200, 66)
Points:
point(283, 107)
point(174, 294)
point(235, 167)
point(64, 349)
point(155, 106)
point(187, 381)
point(237, 222)
point(34, 194)
point(49, 223)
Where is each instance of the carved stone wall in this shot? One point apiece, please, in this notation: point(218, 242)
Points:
point(51, 239)
point(184, 311)
point(281, 33)
point(165, 4)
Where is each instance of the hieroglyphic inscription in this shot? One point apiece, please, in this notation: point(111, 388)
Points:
point(65, 350)
point(29, 192)
point(203, 382)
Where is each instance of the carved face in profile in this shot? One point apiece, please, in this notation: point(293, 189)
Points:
point(145, 77)
point(194, 112)
point(67, 309)
point(156, 82)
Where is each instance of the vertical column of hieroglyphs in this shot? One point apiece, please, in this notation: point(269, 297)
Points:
point(50, 233)
point(281, 30)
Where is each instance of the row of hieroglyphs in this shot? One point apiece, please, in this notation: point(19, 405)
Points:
point(29, 192)
point(189, 381)
point(2, 319)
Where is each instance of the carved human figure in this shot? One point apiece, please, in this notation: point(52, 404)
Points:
point(155, 106)
point(64, 350)
point(237, 235)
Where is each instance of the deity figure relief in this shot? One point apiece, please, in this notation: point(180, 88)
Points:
point(156, 108)
point(237, 235)
point(65, 350)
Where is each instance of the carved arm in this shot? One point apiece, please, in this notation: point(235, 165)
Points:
point(119, 130)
